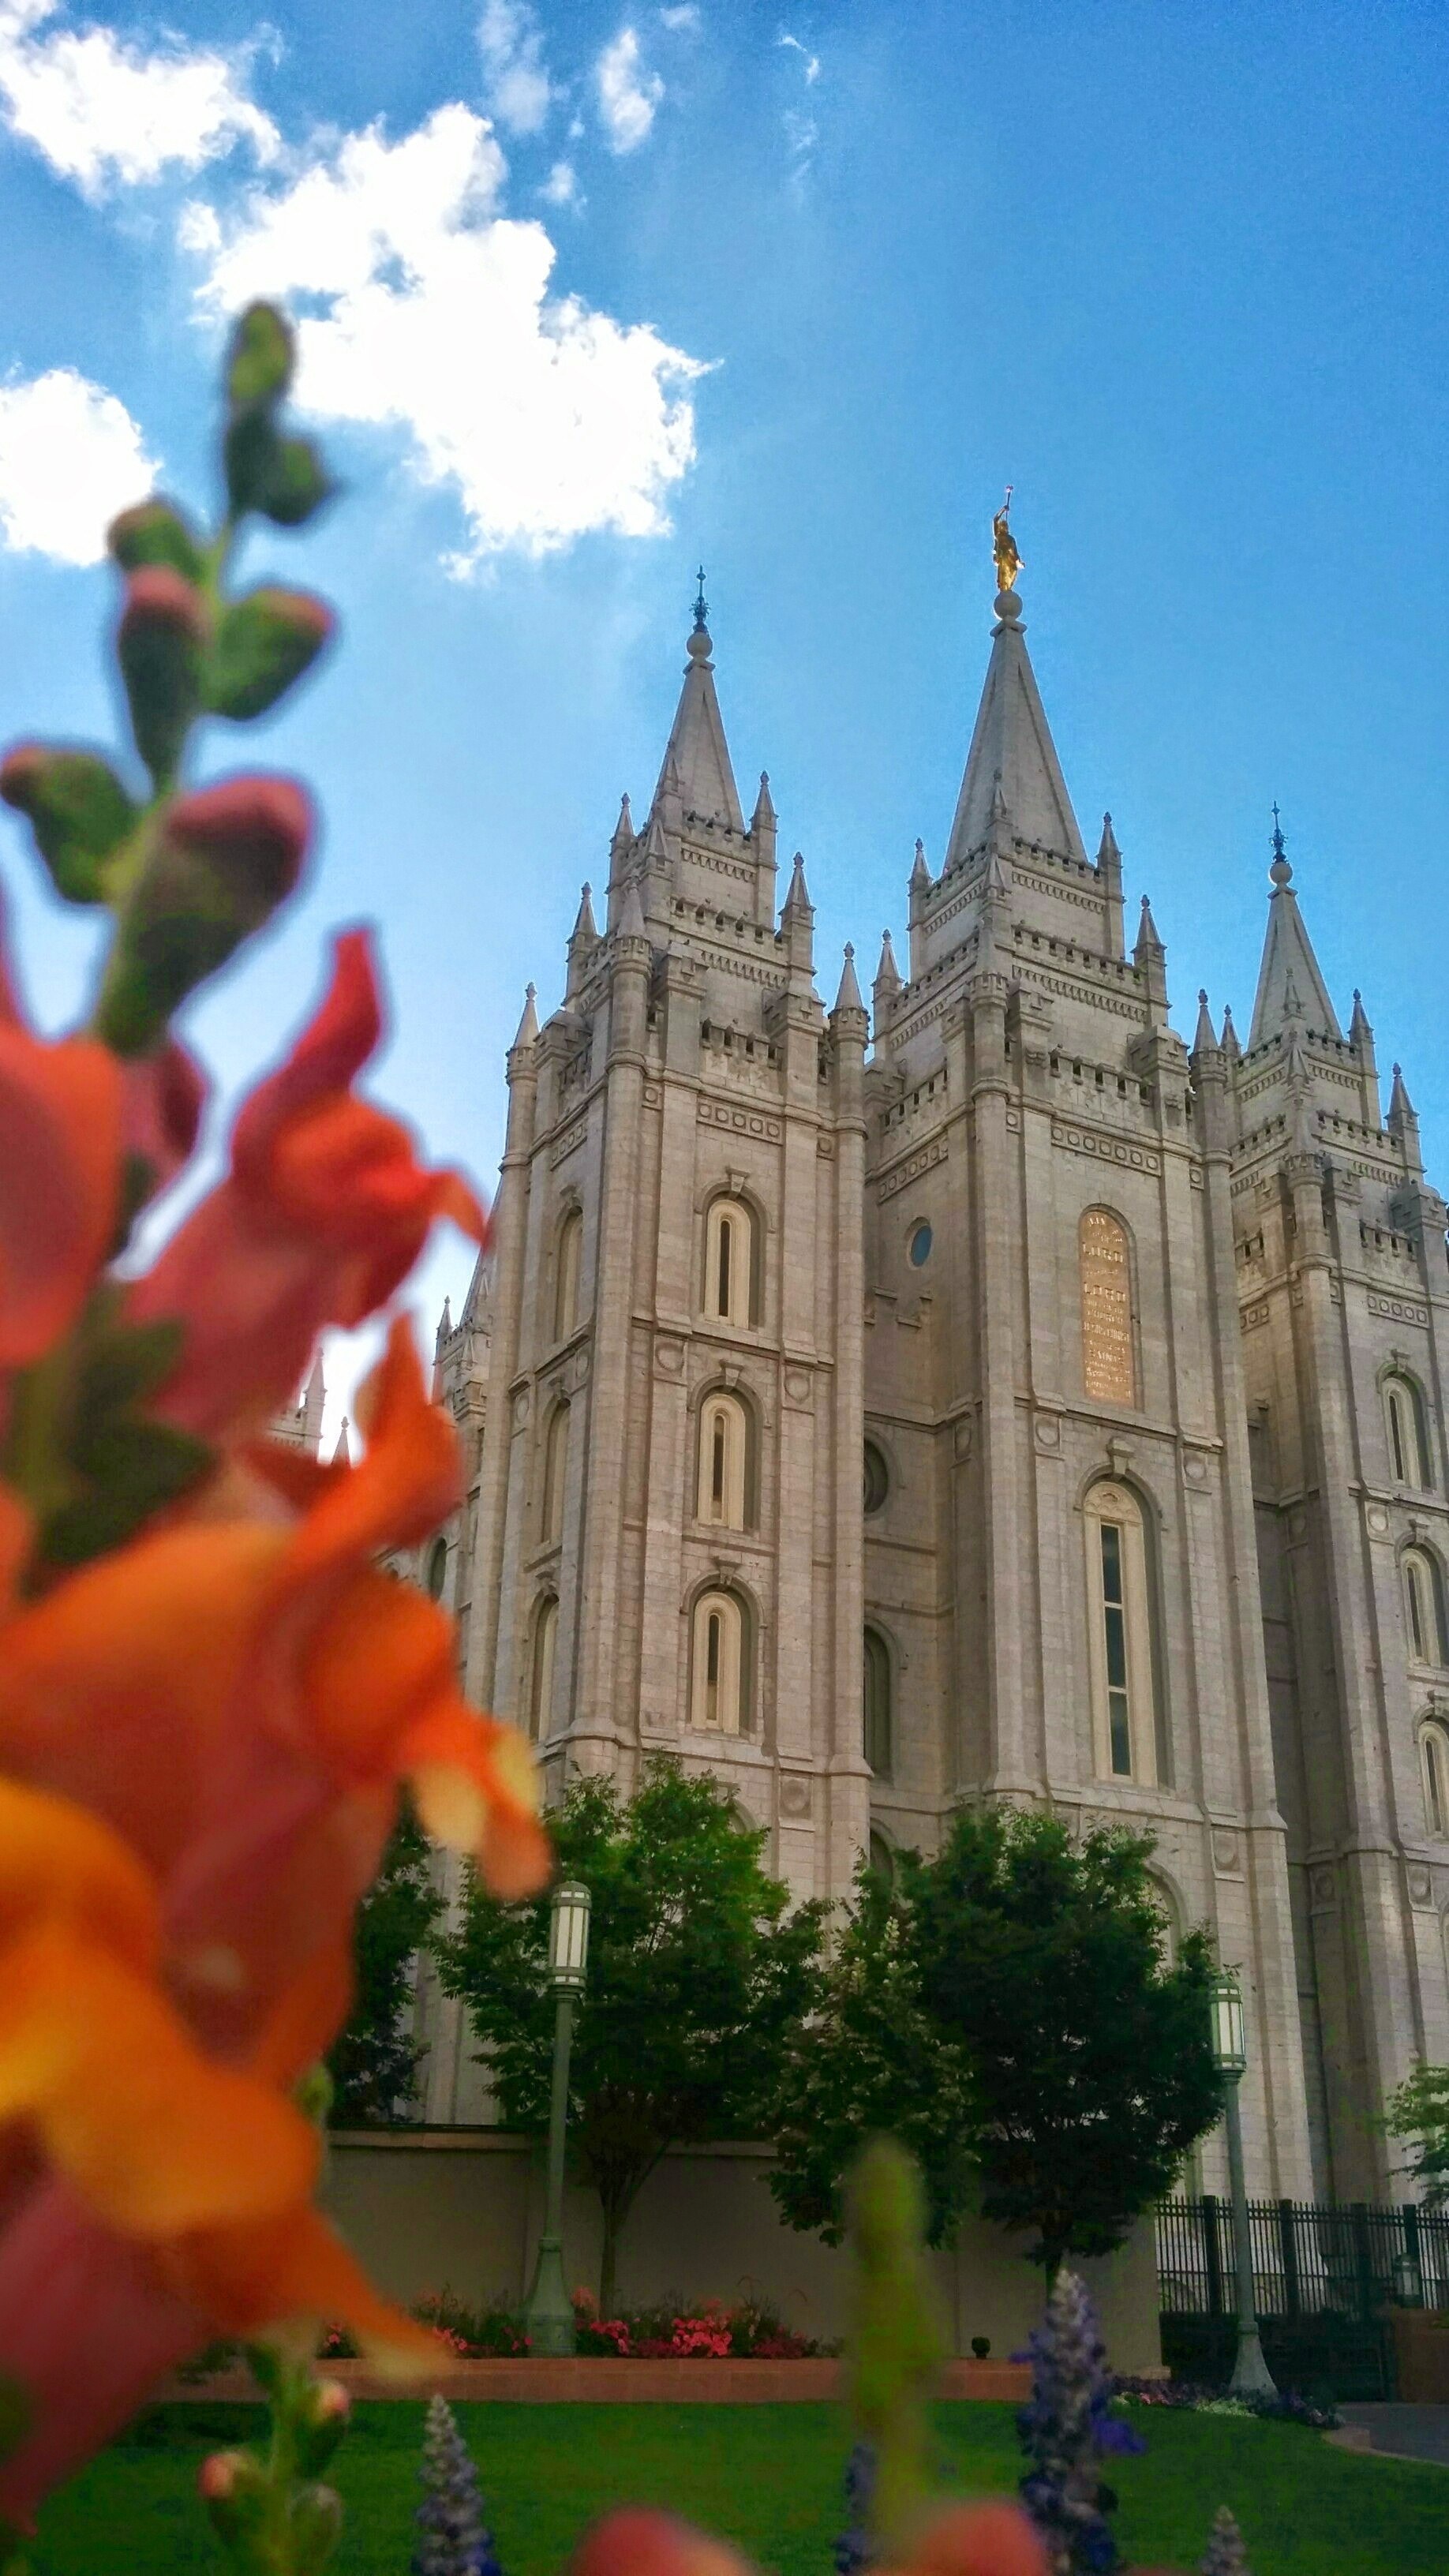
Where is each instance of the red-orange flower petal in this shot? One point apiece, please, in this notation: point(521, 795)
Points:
point(156, 2137)
point(295, 2266)
point(60, 1131)
point(640, 2542)
point(992, 2538)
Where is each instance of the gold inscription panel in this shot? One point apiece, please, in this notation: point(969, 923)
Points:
point(1107, 1370)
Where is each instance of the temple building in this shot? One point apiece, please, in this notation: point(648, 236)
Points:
point(988, 1394)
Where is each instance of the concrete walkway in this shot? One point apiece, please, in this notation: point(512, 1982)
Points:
point(1404, 2432)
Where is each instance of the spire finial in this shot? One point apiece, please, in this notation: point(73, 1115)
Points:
point(1003, 547)
point(1281, 870)
point(701, 606)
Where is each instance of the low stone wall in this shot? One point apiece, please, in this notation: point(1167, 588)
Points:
point(461, 2209)
point(1421, 2352)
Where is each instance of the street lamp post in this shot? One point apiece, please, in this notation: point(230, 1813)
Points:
point(548, 2312)
point(1251, 2375)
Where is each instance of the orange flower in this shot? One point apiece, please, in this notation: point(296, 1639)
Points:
point(989, 2539)
point(323, 1213)
point(60, 1135)
point(212, 1722)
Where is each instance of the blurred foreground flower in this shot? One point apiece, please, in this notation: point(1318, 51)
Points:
point(209, 1695)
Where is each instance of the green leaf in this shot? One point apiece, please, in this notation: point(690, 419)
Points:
point(79, 811)
point(155, 533)
point(128, 1362)
point(298, 484)
point(161, 664)
point(261, 359)
point(251, 456)
point(262, 645)
point(135, 1466)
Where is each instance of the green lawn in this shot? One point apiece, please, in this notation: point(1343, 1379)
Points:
point(768, 2477)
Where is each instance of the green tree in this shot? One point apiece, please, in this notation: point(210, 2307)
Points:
point(699, 1974)
point(1049, 2067)
point(1418, 2116)
point(374, 2059)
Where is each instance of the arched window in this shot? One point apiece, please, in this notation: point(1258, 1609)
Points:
point(1424, 1607)
point(731, 1286)
point(540, 1688)
point(566, 1274)
point(877, 1478)
point(882, 1859)
point(1124, 1715)
point(877, 1710)
point(719, 1678)
point(725, 1481)
point(555, 1473)
point(1434, 1762)
point(1408, 1432)
point(437, 1568)
point(1170, 1928)
point(1109, 1371)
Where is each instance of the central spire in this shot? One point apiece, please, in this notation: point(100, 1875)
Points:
point(697, 753)
point(1290, 986)
point(1012, 747)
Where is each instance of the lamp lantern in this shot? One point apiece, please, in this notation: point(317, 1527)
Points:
point(1230, 2043)
point(568, 1938)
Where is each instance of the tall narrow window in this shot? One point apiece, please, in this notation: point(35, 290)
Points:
point(1424, 1607)
point(566, 1274)
point(724, 1463)
point(555, 1473)
point(730, 1292)
point(540, 1696)
point(1109, 1371)
point(1124, 1713)
point(1408, 1432)
point(877, 1710)
point(719, 1675)
point(1434, 1757)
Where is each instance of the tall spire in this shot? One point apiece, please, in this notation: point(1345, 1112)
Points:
point(848, 997)
point(1290, 986)
point(1012, 745)
point(702, 779)
point(920, 872)
point(528, 1025)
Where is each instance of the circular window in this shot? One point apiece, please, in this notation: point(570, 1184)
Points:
point(437, 1568)
point(920, 1247)
point(877, 1479)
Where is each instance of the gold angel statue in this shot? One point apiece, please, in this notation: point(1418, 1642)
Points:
point(1003, 545)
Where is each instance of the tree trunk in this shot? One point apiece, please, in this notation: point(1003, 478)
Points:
point(608, 2266)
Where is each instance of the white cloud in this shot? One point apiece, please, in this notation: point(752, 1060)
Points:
point(561, 187)
point(103, 109)
point(628, 95)
point(546, 417)
point(684, 20)
point(70, 457)
point(511, 43)
point(810, 63)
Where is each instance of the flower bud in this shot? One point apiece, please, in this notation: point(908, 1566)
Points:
point(263, 643)
point(159, 646)
point(234, 2487)
point(154, 533)
point(79, 812)
point(226, 857)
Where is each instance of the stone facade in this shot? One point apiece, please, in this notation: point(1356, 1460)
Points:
point(1142, 1348)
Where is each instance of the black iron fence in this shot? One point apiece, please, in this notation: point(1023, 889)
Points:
point(1310, 2259)
point(1324, 2280)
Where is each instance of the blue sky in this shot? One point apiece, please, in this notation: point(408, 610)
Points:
point(596, 291)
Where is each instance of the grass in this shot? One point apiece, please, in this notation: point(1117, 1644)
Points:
point(766, 2477)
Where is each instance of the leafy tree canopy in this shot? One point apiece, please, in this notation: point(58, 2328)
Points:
point(1008, 2010)
point(1418, 2115)
point(374, 2059)
point(698, 1977)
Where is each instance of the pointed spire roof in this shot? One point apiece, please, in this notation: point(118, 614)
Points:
point(1290, 986)
point(631, 919)
point(1147, 939)
point(624, 828)
point(764, 803)
point(584, 925)
point(316, 1382)
point(1204, 1040)
point(528, 1025)
point(1108, 854)
point(1012, 747)
point(697, 751)
point(887, 973)
point(920, 873)
point(799, 894)
point(1401, 1107)
point(848, 997)
point(342, 1454)
point(1358, 1027)
point(445, 1324)
point(1230, 1045)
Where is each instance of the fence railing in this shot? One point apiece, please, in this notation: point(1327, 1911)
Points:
point(1310, 2259)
